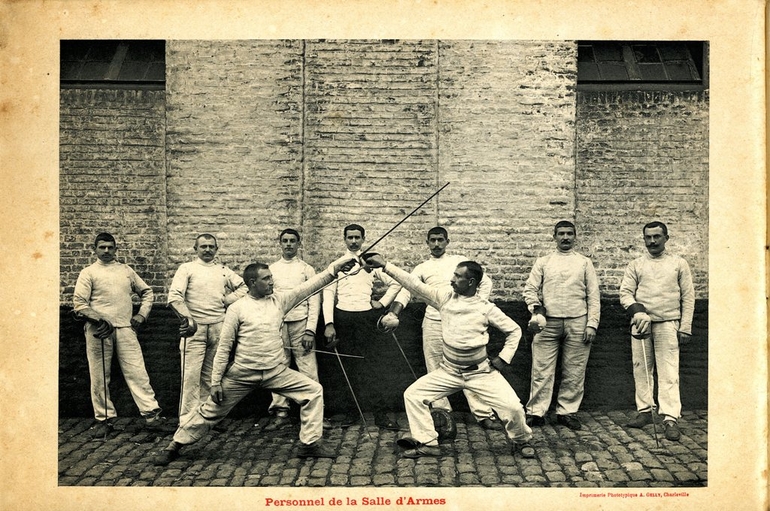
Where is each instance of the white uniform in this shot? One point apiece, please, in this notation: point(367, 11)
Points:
point(437, 272)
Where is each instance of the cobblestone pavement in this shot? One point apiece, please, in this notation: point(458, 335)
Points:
point(602, 454)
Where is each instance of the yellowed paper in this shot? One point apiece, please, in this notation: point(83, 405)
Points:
point(29, 49)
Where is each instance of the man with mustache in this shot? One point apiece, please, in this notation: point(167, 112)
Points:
point(200, 292)
point(251, 333)
point(350, 316)
point(465, 320)
point(437, 271)
point(658, 295)
point(562, 294)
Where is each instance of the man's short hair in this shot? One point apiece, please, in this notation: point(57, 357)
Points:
point(655, 224)
point(474, 269)
point(562, 224)
point(206, 236)
point(438, 230)
point(289, 231)
point(353, 227)
point(251, 271)
point(104, 236)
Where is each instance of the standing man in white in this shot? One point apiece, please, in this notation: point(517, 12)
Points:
point(658, 294)
point(299, 325)
point(200, 292)
point(562, 293)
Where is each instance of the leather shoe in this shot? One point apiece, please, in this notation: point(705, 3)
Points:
point(278, 422)
point(535, 421)
point(525, 449)
point(165, 457)
point(570, 421)
point(315, 450)
point(672, 430)
point(384, 422)
point(490, 424)
point(641, 420)
point(422, 450)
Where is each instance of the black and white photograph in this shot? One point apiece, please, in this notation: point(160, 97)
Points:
point(399, 268)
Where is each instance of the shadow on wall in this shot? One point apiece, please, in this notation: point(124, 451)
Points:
point(609, 381)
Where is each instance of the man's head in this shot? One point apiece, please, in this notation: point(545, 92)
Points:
point(655, 237)
point(564, 235)
point(105, 247)
point(466, 278)
point(437, 241)
point(289, 240)
point(206, 247)
point(259, 279)
point(354, 237)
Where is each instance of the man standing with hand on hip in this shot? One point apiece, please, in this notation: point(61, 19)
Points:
point(200, 292)
point(658, 295)
point(562, 293)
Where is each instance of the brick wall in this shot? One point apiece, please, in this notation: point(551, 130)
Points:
point(642, 156)
point(112, 178)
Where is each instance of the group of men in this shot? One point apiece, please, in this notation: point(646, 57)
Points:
point(238, 334)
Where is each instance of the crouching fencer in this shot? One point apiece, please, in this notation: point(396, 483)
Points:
point(254, 324)
point(465, 318)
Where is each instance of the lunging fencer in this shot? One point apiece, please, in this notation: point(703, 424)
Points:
point(103, 298)
point(200, 292)
point(465, 318)
point(437, 271)
point(658, 295)
point(253, 323)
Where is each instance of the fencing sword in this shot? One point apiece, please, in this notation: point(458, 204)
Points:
point(653, 410)
point(104, 379)
point(184, 358)
point(370, 247)
point(355, 400)
point(327, 352)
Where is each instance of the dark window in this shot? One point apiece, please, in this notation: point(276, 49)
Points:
point(113, 63)
point(643, 64)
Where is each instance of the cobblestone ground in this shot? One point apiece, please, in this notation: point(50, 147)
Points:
point(602, 454)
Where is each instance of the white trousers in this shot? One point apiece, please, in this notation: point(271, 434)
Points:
point(662, 353)
point(238, 382)
point(432, 349)
point(490, 386)
point(197, 359)
point(292, 333)
point(563, 335)
point(125, 345)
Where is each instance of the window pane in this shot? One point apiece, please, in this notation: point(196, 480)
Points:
point(608, 52)
point(646, 53)
point(652, 72)
point(610, 71)
point(588, 72)
point(680, 71)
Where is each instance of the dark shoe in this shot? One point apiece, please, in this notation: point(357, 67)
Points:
point(384, 422)
point(570, 421)
point(165, 457)
point(422, 450)
point(278, 422)
point(220, 427)
point(315, 450)
point(158, 424)
point(524, 449)
point(672, 430)
point(103, 429)
point(491, 424)
point(327, 424)
point(535, 421)
point(641, 420)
